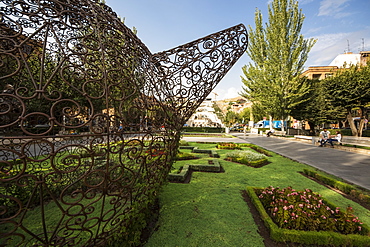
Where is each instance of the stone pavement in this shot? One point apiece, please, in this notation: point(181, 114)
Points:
point(353, 167)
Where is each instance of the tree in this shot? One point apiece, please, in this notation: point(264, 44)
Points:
point(278, 52)
point(311, 109)
point(350, 92)
point(231, 118)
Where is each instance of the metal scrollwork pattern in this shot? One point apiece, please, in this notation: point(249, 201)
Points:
point(90, 119)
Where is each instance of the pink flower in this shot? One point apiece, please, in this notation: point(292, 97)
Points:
point(275, 209)
point(300, 205)
point(285, 208)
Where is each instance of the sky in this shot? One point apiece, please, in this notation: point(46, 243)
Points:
point(338, 26)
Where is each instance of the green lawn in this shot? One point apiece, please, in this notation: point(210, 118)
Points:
point(210, 211)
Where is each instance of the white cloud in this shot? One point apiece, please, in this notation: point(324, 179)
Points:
point(327, 40)
point(226, 93)
point(333, 8)
point(328, 46)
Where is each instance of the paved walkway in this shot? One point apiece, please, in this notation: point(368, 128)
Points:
point(353, 167)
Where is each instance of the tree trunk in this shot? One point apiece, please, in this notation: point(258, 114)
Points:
point(271, 123)
point(351, 123)
point(360, 127)
point(362, 121)
point(282, 125)
point(312, 127)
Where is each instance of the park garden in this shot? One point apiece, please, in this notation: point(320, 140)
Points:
point(91, 123)
point(209, 209)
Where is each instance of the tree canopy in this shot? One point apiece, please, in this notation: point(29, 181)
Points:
point(278, 52)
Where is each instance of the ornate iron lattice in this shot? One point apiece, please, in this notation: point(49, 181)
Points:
point(89, 119)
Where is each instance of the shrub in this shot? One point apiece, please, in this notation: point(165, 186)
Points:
point(247, 157)
point(183, 143)
point(184, 156)
point(306, 210)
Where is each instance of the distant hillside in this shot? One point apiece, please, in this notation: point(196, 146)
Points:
point(236, 104)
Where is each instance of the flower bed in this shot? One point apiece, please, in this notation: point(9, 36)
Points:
point(228, 145)
point(304, 217)
point(247, 157)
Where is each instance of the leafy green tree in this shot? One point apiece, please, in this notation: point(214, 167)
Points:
point(278, 52)
point(245, 115)
point(218, 111)
point(349, 91)
point(231, 118)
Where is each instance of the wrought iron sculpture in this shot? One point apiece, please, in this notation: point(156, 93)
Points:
point(90, 120)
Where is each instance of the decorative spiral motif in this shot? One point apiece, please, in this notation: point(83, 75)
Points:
point(89, 119)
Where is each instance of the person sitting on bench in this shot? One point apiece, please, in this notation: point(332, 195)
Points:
point(336, 138)
point(324, 136)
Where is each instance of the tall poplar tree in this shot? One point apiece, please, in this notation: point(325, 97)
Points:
point(278, 52)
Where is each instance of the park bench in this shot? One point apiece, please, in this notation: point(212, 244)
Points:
point(280, 133)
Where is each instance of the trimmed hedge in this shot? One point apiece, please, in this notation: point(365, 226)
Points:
point(307, 237)
point(342, 186)
point(180, 177)
point(203, 129)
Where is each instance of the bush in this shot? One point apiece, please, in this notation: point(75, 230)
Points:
point(183, 143)
point(247, 157)
point(184, 156)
